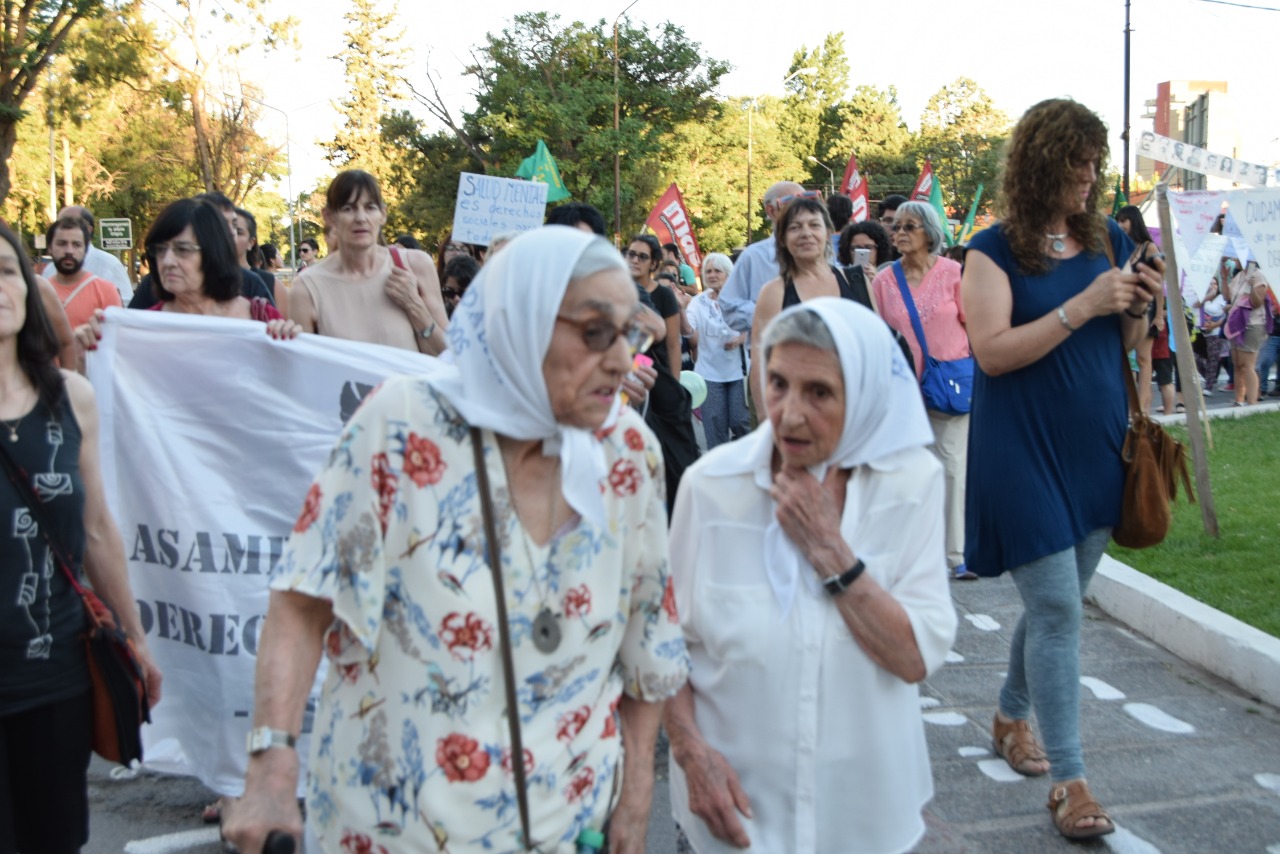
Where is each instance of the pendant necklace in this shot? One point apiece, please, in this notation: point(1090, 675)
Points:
point(14, 425)
point(1059, 243)
point(546, 626)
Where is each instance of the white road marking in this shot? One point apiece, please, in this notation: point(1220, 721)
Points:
point(1157, 718)
point(1268, 781)
point(970, 752)
point(1126, 842)
point(1101, 689)
point(953, 657)
point(945, 718)
point(171, 842)
point(982, 622)
point(929, 702)
point(999, 770)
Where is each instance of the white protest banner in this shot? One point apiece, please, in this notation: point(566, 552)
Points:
point(1199, 270)
point(1175, 152)
point(211, 433)
point(1257, 215)
point(1239, 245)
point(489, 205)
point(1194, 213)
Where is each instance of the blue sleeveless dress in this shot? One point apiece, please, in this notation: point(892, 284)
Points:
point(1044, 441)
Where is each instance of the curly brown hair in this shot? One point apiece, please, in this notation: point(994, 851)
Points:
point(1050, 142)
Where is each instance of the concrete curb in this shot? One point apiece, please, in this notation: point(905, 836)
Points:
point(1242, 655)
point(1223, 412)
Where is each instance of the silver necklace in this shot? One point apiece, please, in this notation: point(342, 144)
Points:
point(1059, 244)
point(546, 626)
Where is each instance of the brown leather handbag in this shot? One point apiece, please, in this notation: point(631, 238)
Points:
point(1153, 460)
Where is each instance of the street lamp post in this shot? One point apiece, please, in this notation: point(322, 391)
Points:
point(799, 72)
point(831, 176)
point(288, 167)
point(617, 153)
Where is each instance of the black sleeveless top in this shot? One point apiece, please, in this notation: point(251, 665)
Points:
point(42, 657)
point(852, 283)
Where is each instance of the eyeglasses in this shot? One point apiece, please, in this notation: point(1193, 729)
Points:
point(807, 194)
point(887, 220)
point(450, 293)
point(638, 256)
point(599, 334)
point(305, 250)
point(454, 249)
point(179, 249)
point(906, 227)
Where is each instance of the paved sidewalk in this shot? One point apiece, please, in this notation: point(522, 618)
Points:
point(1182, 760)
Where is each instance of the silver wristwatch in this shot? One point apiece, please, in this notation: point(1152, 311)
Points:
point(262, 739)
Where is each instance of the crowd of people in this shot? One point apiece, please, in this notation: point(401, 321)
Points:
point(605, 565)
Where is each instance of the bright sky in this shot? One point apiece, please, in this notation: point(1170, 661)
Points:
point(1020, 51)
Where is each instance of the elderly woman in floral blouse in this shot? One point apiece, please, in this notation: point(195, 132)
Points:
point(388, 574)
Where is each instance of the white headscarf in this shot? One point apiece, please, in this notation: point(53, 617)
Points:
point(499, 336)
point(883, 414)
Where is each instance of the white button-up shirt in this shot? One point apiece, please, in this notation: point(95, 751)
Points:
point(829, 747)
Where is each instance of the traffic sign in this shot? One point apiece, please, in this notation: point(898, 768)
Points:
point(116, 233)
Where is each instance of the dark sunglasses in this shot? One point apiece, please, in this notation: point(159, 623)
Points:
point(599, 334)
point(906, 227)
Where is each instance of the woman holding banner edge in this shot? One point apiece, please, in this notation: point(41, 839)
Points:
point(1050, 319)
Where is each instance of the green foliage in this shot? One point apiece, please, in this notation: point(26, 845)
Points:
point(373, 61)
point(870, 124)
point(1236, 572)
point(540, 79)
point(962, 131)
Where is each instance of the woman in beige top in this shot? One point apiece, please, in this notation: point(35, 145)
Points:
point(365, 292)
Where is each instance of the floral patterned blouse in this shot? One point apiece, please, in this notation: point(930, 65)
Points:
point(411, 743)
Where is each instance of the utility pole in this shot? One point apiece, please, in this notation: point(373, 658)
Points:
point(1125, 135)
point(617, 143)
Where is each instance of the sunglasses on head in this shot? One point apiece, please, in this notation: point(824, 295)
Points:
point(598, 334)
point(807, 194)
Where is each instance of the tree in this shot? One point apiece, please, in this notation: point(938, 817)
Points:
point(869, 124)
point(539, 79)
point(962, 130)
point(215, 38)
point(373, 63)
point(34, 32)
point(819, 79)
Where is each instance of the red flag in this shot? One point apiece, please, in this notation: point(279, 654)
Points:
point(924, 183)
point(855, 188)
point(669, 220)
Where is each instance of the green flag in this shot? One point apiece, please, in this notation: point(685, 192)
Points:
point(935, 201)
point(1120, 201)
point(973, 213)
point(542, 167)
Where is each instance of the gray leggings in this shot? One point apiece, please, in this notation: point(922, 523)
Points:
point(1044, 658)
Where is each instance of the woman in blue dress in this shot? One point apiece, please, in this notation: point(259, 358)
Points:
point(1050, 320)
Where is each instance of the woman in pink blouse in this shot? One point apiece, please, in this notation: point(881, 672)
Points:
point(934, 282)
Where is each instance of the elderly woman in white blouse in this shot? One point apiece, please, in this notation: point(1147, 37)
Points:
point(806, 561)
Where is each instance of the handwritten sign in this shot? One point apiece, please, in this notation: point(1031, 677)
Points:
point(1257, 213)
point(488, 205)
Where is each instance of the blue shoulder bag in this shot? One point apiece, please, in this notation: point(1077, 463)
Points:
point(947, 386)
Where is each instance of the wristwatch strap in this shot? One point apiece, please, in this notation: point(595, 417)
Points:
point(837, 584)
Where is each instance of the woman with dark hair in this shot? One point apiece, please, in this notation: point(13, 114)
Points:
point(1131, 222)
point(448, 249)
point(50, 431)
point(1050, 318)
point(870, 235)
point(366, 291)
point(194, 270)
point(669, 408)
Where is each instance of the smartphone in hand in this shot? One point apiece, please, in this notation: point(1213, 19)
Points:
point(861, 257)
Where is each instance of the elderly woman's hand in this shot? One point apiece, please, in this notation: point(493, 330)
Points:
point(88, 334)
point(809, 513)
point(283, 330)
point(716, 795)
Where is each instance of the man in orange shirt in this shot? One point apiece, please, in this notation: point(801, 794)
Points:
point(79, 291)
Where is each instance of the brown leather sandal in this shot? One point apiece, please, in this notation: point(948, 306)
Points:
point(1016, 744)
point(1071, 802)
